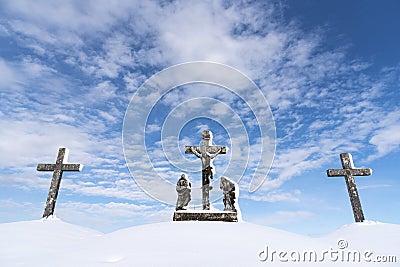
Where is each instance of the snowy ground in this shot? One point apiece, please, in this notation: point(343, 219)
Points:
point(56, 243)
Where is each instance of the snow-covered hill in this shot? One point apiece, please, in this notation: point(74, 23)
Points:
point(56, 243)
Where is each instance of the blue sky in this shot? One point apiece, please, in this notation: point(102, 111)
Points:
point(328, 70)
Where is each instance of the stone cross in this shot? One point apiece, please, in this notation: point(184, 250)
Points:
point(206, 152)
point(57, 170)
point(349, 172)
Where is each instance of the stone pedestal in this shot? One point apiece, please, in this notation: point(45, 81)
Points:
point(205, 215)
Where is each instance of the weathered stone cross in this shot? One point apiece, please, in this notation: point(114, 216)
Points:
point(58, 170)
point(206, 152)
point(349, 172)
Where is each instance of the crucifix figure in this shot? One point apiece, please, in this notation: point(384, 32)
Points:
point(206, 152)
point(349, 172)
point(57, 170)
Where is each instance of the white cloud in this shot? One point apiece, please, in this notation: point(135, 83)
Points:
point(206, 31)
point(273, 196)
point(33, 31)
point(151, 128)
point(10, 203)
point(192, 32)
point(103, 91)
point(114, 189)
point(33, 135)
point(8, 75)
point(387, 137)
point(3, 31)
point(13, 210)
point(386, 140)
point(322, 102)
point(88, 18)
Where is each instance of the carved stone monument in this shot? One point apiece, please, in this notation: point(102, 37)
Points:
point(183, 187)
point(207, 152)
point(57, 169)
point(349, 171)
point(230, 189)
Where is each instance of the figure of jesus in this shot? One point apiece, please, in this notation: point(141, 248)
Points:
point(206, 152)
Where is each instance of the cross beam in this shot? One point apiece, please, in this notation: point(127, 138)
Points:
point(349, 171)
point(58, 168)
point(206, 152)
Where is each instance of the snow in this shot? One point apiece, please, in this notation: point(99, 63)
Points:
point(53, 242)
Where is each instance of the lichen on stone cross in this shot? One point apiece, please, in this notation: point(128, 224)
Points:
point(206, 152)
point(349, 171)
point(58, 168)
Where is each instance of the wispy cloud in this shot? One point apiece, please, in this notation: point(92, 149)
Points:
point(76, 66)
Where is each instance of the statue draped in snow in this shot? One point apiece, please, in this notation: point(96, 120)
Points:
point(229, 189)
point(183, 187)
point(206, 152)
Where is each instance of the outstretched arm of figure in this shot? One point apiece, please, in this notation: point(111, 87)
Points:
point(214, 154)
point(194, 151)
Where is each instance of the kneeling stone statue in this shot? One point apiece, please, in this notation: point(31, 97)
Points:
point(183, 187)
point(229, 189)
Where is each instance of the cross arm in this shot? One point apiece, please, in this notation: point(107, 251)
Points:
point(361, 172)
point(72, 167)
point(46, 167)
point(63, 167)
point(353, 172)
point(193, 150)
point(213, 151)
point(217, 150)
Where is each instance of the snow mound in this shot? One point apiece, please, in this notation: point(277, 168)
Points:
point(56, 243)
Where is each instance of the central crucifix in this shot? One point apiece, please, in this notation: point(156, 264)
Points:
point(206, 152)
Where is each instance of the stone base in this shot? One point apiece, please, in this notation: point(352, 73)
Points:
point(222, 216)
